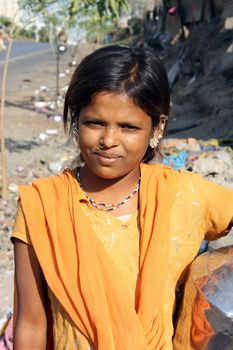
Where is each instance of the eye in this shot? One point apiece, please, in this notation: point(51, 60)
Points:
point(94, 123)
point(129, 127)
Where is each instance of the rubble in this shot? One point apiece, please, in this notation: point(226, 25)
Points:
point(57, 118)
point(226, 66)
point(55, 167)
point(51, 131)
point(13, 188)
point(43, 136)
point(208, 158)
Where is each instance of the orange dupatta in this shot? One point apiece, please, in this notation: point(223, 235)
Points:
point(82, 275)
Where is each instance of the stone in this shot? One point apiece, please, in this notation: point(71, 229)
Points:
point(55, 167)
point(226, 65)
point(192, 140)
point(221, 242)
point(43, 136)
point(225, 113)
point(182, 146)
point(228, 175)
point(194, 147)
point(51, 131)
point(13, 188)
point(40, 104)
point(223, 156)
point(205, 166)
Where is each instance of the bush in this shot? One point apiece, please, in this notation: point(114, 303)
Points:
point(5, 21)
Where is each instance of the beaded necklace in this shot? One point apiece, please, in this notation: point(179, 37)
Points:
point(104, 206)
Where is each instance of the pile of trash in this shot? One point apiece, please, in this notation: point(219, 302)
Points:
point(213, 159)
point(43, 99)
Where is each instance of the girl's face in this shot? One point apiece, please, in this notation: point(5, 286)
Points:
point(114, 135)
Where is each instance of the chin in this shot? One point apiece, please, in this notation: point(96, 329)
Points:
point(108, 173)
point(111, 171)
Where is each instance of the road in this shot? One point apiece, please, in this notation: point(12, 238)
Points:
point(31, 65)
point(22, 49)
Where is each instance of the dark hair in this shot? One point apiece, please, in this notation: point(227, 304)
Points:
point(136, 72)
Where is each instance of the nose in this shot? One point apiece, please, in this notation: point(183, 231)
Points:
point(110, 137)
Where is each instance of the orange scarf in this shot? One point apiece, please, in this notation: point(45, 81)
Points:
point(82, 275)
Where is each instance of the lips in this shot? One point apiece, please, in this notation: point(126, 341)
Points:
point(107, 159)
point(107, 155)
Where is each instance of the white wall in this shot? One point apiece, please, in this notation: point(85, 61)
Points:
point(9, 8)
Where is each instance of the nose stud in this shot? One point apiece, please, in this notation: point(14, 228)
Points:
point(101, 145)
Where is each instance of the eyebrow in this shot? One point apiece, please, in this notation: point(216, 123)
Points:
point(88, 118)
point(99, 119)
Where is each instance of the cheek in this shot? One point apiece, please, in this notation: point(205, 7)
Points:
point(88, 138)
point(137, 144)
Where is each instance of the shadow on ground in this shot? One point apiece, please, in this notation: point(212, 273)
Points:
point(16, 146)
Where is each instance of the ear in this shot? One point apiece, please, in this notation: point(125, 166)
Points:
point(158, 131)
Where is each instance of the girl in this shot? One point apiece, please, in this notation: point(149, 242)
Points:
point(100, 248)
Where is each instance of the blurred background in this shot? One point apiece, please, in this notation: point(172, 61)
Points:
point(42, 42)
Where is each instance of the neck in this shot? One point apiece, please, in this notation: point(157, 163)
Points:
point(112, 191)
point(93, 183)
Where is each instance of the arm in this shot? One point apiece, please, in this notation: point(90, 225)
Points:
point(31, 322)
point(218, 208)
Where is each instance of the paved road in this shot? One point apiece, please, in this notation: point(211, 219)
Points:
point(31, 62)
point(21, 49)
point(33, 65)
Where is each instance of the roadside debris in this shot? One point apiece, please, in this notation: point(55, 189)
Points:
point(211, 159)
point(55, 167)
point(57, 118)
point(43, 136)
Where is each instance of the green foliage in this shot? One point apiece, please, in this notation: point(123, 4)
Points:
point(96, 27)
point(29, 33)
point(44, 34)
point(98, 15)
point(5, 21)
point(35, 6)
point(75, 7)
point(136, 25)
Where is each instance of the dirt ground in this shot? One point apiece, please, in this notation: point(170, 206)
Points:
point(202, 109)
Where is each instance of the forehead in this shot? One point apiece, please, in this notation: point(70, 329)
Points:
point(112, 105)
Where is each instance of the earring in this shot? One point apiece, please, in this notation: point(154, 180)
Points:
point(154, 141)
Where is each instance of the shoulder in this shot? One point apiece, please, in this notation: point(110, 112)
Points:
point(179, 181)
point(169, 173)
point(60, 179)
point(186, 181)
point(50, 187)
point(46, 195)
